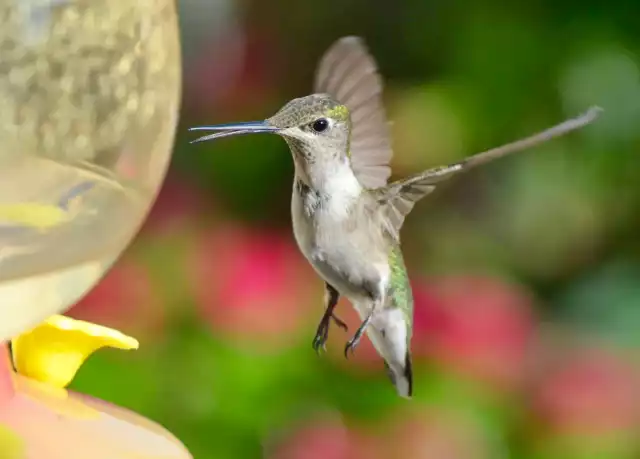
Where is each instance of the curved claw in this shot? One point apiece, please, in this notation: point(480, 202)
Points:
point(351, 346)
point(321, 338)
point(319, 344)
point(353, 342)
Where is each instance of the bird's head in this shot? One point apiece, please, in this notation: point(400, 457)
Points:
point(316, 127)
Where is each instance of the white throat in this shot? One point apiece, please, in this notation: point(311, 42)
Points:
point(338, 183)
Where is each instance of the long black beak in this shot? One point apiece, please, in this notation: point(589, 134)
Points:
point(250, 127)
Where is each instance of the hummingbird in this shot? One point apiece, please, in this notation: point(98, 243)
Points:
point(346, 216)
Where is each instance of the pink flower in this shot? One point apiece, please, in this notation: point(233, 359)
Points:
point(253, 284)
point(479, 326)
point(124, 299)
point(589, 392)
point(325, 439)
point(433, 434)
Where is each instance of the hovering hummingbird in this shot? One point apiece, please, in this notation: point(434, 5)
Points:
point(346, 217)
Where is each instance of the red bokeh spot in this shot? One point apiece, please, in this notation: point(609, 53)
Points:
point(480, 326)
point(434, 434)
point(253, 284)
point(589, 393)
point(327, 439)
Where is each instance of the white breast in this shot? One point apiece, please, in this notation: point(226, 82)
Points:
point(342, 190)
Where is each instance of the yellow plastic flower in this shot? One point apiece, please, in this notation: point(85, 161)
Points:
point(53, 352)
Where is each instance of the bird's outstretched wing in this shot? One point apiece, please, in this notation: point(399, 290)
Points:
point(398, 198)
point(349, 74)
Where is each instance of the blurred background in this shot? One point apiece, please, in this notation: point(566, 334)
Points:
point(526, 272)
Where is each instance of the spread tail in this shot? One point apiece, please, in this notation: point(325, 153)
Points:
point(401, 376)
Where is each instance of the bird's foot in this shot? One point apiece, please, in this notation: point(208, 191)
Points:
point(353, 342)
point(351, 346)
point(322, 334)
point(321, 337)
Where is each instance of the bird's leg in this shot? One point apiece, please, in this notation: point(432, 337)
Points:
point(353, 342)
point(378, 302)
point(331, 297)
point(331, 301)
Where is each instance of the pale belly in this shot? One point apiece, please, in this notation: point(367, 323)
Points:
point(350, 260)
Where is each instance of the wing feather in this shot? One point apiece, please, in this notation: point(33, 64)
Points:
point(349, 74)
point(398, 198)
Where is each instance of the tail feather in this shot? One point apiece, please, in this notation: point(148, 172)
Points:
point(388, 334)
point(402, 376)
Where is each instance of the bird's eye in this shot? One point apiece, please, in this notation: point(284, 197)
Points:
point(320, 125)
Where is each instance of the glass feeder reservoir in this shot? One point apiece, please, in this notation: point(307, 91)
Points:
point(89, 95)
